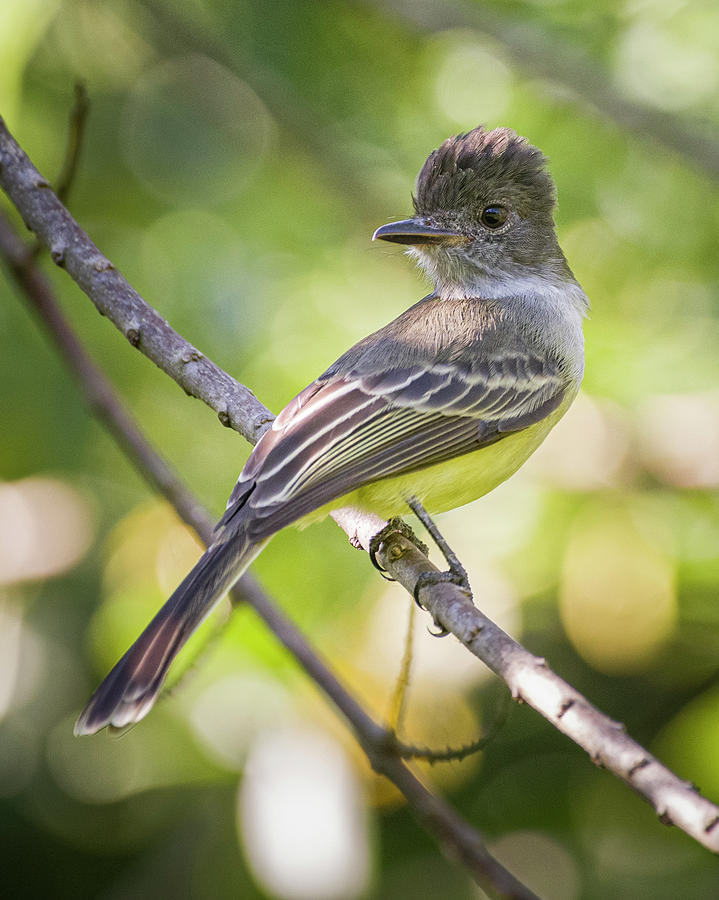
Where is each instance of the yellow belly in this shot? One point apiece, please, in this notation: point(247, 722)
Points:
point(452, 483)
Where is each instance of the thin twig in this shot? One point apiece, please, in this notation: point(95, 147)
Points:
point(528, 677)
point(436, 815)
point(398, 700)
point(71, 248)
point(530, 680)
point(453, 833)
point(76, 134)
point(97, 388)
point(456, 754)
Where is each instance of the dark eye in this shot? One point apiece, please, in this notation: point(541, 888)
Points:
point(494, 216)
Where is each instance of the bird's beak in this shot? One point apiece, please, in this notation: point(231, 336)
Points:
point(413, 231)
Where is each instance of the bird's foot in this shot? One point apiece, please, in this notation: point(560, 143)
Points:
point(455, 574)
point(394, 526)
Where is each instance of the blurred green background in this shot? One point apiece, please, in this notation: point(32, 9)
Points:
point(237, 159)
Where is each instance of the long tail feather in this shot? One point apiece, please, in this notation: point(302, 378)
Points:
point(129, 691)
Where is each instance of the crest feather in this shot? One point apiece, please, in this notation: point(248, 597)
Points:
point(471, 170)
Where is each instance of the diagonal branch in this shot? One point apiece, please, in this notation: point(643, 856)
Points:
point(71, 248)
point(454, 834)
point(97, 388)
point(529, 678)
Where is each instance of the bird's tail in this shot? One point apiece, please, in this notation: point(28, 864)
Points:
point(129, 691)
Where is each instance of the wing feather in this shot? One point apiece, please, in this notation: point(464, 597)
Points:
point(349, 430)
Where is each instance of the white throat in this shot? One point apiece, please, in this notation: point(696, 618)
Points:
point(456, 278)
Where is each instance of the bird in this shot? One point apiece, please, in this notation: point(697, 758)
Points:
point(442, 404)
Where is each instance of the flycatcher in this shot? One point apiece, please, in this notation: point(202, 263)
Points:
point(442, 404)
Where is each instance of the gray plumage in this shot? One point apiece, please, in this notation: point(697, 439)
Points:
point(470, 171)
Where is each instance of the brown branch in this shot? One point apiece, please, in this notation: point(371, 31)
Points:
point(76, 133)
point(531, 681)
point(528, 677)
point(537, 53)
point(97, 388)
point(454, 834)
point(440, 819)
point(114, 297)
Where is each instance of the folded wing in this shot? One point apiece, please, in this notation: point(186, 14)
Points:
point(346, 431)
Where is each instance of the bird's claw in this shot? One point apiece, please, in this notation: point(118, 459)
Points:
point(452, 576)
point(394, 526)
point(455, 574)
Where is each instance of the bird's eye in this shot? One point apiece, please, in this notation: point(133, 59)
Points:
point(494, 216)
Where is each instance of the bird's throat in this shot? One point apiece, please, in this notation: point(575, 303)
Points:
point(456, 277)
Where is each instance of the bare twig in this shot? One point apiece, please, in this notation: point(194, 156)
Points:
point(78, 120)
point(454, 834)
point(97, 388)
point(455, 754)
point(71, 248)
point(432, 811)
point(528, 677)
point(398, 700)
point(76, 133)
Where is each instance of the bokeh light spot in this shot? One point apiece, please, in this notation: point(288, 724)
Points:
point(194, 131)
point(230, 713)
point(678, 437)
point(539, 862)
point(301, 817)
point(22, 657)
point(109, 767)
point(587, 450)
point(655, 64)
point(45, 528)
point(688, 743)
point(473, 85)
point(617, 594)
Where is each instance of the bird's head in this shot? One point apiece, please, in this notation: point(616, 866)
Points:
point(484, 204)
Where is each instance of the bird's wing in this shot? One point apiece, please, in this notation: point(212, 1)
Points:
point(349, 430)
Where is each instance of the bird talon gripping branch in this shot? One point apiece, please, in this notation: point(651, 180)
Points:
point(429, 579)
point(394, 526)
